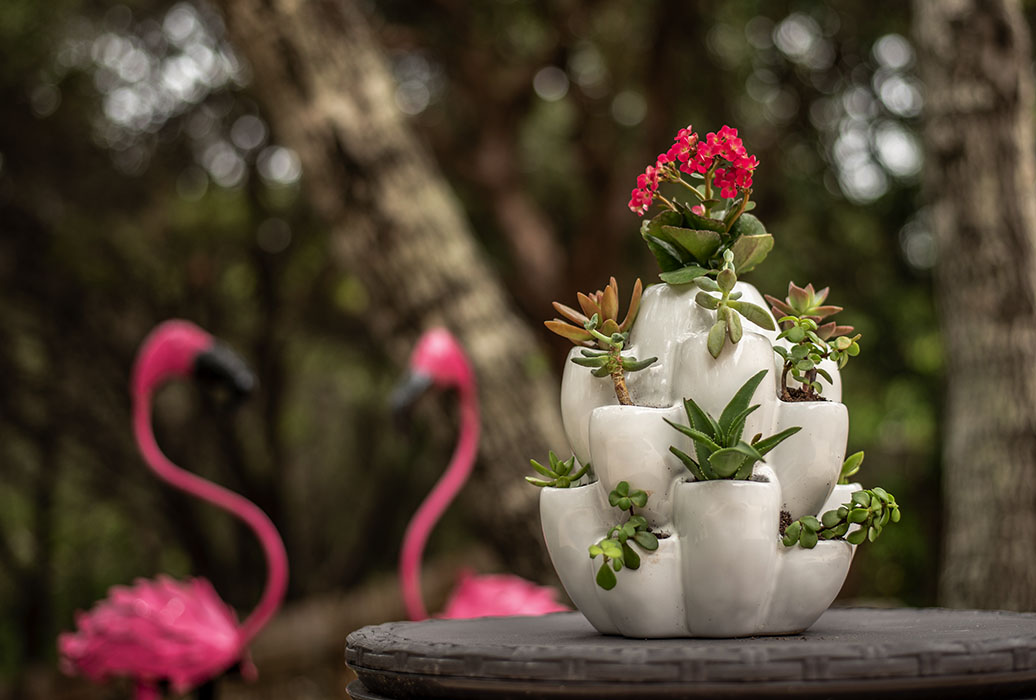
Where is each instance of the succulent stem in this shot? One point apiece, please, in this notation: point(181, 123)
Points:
point(621, 392)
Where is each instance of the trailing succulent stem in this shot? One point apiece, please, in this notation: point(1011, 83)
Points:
point(728, 307)
point(720, 451)
point(598, 328)
point(615, 549)
point(871, 509)
point(558, 473)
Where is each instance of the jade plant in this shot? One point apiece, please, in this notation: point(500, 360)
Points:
point(812, 342)
point(598, 327)
point(710, 234)
point(558, 473)
point(720, 450)
point(615, 549)
point(871, 509)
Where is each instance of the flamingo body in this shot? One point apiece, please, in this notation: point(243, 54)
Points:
point(499, 595)
point(439, 360)
point(161, 630)
point(166, 631)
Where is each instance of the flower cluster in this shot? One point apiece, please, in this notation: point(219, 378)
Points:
point(721, 160)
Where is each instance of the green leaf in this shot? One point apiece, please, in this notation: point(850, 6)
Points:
point(717, 337)
point(856, 537)
point(624, 503)
point(808, 539)
point(706, 300)
point(750, 250)
point(541, 469)
point(666, 256)
point(595, 550)
point(701, 244)
point(707, 284)
point(612, 549)
point(767, 444)
point(617, 564)
point(739, 402)
point(737, 426)
point(539, 482)
point(726, 461)
point(631, 364)
point(895, 515)
point(810, 522)
point(683, 275)
point(691, 465)
point(637, 521)
point(698, 437)
point(696, 221)
point(840, 529)
point(734, 330)
point(646, 540)
point(630, 558)
point(590, 361)
point(726, 279)
point(748, 225)
point(601, 372)
point(830, 518)
point(861, 498)
point(858, 515)
point(791, 534)
point(639, 498)
point(606, 577)
point(755, 314)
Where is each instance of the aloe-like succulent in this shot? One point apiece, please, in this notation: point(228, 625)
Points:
point(720, 451)
point(805, 302)
point(558, 473)
point(871, 509)
point(850, 466)
point(615, 550)
point(604, 304)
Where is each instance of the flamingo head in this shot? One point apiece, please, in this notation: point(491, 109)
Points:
point(438, 360)
point(178, 349)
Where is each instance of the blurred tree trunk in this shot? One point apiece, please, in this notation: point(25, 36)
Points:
point(398, 229)
point(976, 63)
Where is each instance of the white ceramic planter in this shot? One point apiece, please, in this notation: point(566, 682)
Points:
point(721, 571)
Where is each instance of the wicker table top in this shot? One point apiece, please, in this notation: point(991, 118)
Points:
point(848, 653)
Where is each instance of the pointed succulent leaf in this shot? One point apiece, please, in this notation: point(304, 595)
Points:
point(726, 279)
point(800, 298)
point(750, 250)
point(697, 436)
point(737, 426)
point(780, 308)
point(539, 482)
point(683, 275)
point(740, 401)
point(601, 372)
point(633, 308)
point(569, 313)
point(726, 461)
point(541, 469)
point(599, 361)
point(609, 302)
point(691, 465)
point(567, 330)
point(766, 444)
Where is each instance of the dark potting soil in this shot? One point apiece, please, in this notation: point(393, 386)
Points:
point(784, 522)
point(795, 394)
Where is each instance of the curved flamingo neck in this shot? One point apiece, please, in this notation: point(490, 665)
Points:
point(251, 514)
point(433, 506)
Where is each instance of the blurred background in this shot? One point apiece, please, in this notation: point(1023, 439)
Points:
point(142, 177)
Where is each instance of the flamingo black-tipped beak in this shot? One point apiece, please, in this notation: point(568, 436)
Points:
point(222, 367)
point(406, 393)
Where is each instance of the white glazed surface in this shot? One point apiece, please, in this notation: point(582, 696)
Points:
point(723, 571)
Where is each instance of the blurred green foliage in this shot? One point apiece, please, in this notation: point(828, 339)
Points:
point(139, 181)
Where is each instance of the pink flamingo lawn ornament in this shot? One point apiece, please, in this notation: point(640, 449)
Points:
point(165, 631)
point(438, 360)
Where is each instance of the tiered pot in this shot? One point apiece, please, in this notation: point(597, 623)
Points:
point(720, 569)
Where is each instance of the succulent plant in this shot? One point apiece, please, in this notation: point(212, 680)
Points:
point(720, 451)
point(871, 509)
point(804, 302)
point(803, 359)
point(615, 550)
point(603, 332)
point(728, 307)
point(850, 466)
point(604, 304)
point(559, 473)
